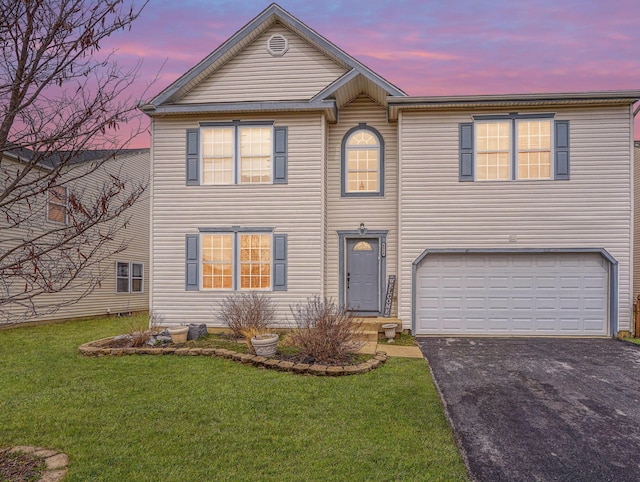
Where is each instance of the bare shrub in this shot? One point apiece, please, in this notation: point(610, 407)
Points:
point(140, 334)
point(247, 315)
point(325, 332)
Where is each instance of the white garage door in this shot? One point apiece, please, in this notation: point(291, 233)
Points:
point(512, 294)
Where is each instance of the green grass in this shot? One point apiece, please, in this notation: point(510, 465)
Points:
point(404, 339)
point(169, 418)
point(633, 340)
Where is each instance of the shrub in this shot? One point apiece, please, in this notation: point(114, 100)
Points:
point(140, 334)
point(247, 314)
point(325, 332)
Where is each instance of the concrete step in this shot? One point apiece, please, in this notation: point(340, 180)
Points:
point(375, 323)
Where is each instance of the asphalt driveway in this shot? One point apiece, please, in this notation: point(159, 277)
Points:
point(541, 409)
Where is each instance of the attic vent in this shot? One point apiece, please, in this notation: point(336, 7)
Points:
point(277, 45)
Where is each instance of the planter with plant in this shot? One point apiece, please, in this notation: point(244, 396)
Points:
point(250, 316)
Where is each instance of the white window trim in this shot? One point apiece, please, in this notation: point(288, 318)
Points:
point(235, 261)
point(130, 278)
point(514, 149)
point(235, 157)
point(65, 205)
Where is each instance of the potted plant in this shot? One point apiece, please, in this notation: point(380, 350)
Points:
point(390, 331)
point(179, 334)
point(265, 344)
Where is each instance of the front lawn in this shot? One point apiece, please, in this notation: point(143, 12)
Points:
point(176, 418)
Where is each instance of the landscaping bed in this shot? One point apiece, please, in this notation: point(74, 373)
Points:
point(286, 359)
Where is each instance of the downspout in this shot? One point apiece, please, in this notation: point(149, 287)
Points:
point(635, 302)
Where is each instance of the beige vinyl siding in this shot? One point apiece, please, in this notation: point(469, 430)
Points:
point(104, 299)
point(346, 213)
point(636, 220)
point(294, 209)
point(255, 75)
point(592, 210)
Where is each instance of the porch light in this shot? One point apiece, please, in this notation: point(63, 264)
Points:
point(362, 230)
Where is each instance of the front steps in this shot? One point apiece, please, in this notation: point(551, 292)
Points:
point(371, 327)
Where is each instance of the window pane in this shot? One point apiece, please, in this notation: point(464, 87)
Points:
point(255, 154)
point(534, 149)
point(123, 269)
point(217, 261)
point(122, 285)
point(136, 269)
point(362, 137)
point(255, 261)
point(136, 286)
point(56, 213)
point(217, 155)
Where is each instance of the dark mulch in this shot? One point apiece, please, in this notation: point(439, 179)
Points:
point(285, 353)
point(20, 467)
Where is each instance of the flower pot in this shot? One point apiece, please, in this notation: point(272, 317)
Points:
point(390, 331)
point(179, 334)
point(265, 345)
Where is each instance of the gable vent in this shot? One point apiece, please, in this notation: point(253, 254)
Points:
point(277, 45)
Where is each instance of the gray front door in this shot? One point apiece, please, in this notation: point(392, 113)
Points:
point(363, 275)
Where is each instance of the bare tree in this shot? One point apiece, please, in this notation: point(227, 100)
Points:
point(61, 98)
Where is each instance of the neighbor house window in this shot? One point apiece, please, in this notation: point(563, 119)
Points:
point(513, 149)
point(129, 277)
point(57, 204)
point(236, 154)
point(251, 261)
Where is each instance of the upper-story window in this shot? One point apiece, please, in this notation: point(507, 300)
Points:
point(362, 162)
point(534, 147)
point(238, 152)
point(57, 204)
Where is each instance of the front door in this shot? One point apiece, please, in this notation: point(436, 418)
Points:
point(363, 275)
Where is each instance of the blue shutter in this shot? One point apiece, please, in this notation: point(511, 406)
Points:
point(191, 263)
point(280, 155)
point(466, 152)
point(193, 157)
point(279, 262)
point(561, 149)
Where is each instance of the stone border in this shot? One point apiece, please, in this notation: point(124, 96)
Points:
point(56, 462)
point(97, 348)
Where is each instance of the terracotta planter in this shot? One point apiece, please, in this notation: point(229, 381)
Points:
point(265, 345)
point(390, 331)
point(179, 334)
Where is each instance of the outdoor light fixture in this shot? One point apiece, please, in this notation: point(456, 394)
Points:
point(362, 229)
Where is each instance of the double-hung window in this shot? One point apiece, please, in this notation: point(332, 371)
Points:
point(129, 277)
point(57, 204)
point(236, 258)
point(237, 153)
point(517, 147)
point(236, 261)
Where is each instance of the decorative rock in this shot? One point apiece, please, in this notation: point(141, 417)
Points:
point(195, 351)
point(271, 363)
point(197, 331)
point(259, 360)
point(208, 351)
point(57, 461)
point(286, 366)
point(318, 369)
point(373, 363)
point(168, 350)
point(182, 351)
point(236, 355)
point(40, 452)
point(363, 367)
point(129, 351)
point(336, 371)
point(247, 358)
point(53, 476)
point(351, 370)
point(382, 358)
point(24, 449)
point(301, 367)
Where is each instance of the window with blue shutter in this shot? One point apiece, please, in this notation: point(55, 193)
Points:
point(237, 152)
point(514, 147)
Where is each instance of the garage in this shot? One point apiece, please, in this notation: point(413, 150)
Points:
point(512, 293)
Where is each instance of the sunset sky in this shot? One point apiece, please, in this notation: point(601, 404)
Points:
point(432, 47)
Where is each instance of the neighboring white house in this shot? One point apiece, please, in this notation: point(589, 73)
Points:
point(282, 164)
point(124, 277)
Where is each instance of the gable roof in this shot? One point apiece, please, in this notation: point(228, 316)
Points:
point(243, 37)
point(51, 160)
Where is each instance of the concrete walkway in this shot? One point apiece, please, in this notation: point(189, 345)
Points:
point(399, 351)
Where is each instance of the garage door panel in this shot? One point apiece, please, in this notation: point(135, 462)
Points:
point(500, 293)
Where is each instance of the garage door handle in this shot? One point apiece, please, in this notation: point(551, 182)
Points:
point(348, 279)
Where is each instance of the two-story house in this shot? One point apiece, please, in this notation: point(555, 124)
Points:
point(114, 285)
point(282, 164)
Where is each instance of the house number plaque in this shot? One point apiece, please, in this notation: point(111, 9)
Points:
point(388, 300)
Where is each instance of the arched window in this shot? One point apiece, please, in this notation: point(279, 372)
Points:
point(362, 162)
